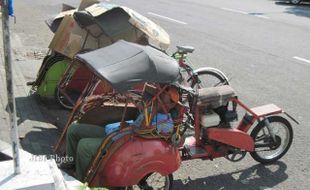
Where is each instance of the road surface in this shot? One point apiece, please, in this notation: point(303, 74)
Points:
point(263, 46)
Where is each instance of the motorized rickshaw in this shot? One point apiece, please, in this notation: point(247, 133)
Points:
point(135, 155)
point(114, 23)
point(56, 61)
point(92, 26)
point(98, 18)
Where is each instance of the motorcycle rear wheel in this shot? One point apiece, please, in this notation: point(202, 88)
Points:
point(275, 150)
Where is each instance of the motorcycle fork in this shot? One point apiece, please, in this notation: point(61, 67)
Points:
point(270, 131)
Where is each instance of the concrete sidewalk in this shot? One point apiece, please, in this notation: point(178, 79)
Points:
point(37, 136)
point(37, 173)
point(40, 121)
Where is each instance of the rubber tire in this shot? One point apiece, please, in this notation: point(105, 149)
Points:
point(214, 74)
point(65, 105)
point(170, 179)
point(259, 126)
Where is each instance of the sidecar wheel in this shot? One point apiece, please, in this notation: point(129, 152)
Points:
point(154, 181)
point(271, 151)
point(62, 100)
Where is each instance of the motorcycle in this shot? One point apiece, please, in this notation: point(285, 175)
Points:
point(77, 77)
point(134, 156)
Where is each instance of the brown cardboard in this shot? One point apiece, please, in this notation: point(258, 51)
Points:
point(87, 3)
point(69, 38)
point(67, 7)
point(69, 10)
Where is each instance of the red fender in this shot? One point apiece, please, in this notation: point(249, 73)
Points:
point(233, 137)
point(137, 158)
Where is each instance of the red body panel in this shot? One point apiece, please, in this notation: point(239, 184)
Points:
point(137, 158)
point(211, 153)
point(79, 79)
point(233, 137)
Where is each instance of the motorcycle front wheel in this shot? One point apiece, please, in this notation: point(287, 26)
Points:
point(266, 150)
point(208, 79)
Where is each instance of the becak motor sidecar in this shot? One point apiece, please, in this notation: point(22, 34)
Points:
point(87, 28)
point(135, 155)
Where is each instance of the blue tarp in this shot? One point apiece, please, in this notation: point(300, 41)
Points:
point(10, 7)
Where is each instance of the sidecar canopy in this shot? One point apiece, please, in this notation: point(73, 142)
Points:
point(111, 22)
point(113, 19)
point(125, 64)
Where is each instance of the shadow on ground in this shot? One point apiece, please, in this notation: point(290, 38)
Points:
point(302, 9)
point(256, 177)
point(40, 123)
point(53, 112)
point(34, 108)
point(40, 141)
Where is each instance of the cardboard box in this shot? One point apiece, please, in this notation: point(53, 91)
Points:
point(70, 39)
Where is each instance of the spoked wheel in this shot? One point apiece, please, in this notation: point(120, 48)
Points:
point(62, 100)
point(266, 149)
point(208, 79)
point(154, 181)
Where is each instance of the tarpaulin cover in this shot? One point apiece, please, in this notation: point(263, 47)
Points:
point(124, 64)
point(106, 23)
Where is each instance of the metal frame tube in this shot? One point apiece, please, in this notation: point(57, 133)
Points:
point(9, 83)
point(267, 123)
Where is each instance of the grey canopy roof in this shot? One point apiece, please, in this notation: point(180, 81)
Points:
point(124, 64)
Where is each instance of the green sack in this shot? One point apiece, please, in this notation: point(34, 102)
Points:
point(51, 79)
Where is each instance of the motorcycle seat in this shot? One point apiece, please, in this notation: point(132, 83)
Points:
point(215, 97)
point(185, 49)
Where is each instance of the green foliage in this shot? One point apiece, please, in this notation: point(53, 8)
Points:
point(178, 56)
point(85, 187)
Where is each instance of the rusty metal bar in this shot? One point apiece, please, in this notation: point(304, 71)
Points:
point(9, 81)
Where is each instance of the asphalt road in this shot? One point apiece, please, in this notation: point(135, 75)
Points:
point(263, 46)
